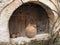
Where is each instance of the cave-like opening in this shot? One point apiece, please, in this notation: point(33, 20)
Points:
point(28, 14)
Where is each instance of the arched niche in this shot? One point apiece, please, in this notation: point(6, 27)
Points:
point(8, 11)
point(31, 16)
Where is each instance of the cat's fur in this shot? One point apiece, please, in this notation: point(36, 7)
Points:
point(31, 30)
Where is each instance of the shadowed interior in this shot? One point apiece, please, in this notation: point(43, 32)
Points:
point(28, 13)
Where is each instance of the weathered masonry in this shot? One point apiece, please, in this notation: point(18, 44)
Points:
point(17, 15)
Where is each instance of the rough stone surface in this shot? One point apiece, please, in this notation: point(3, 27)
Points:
point(38, 37)
point(3, 3)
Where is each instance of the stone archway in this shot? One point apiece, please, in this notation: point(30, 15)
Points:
point(28, 14)
point(7, 12)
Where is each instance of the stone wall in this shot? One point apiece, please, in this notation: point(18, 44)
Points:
point(7, 7)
